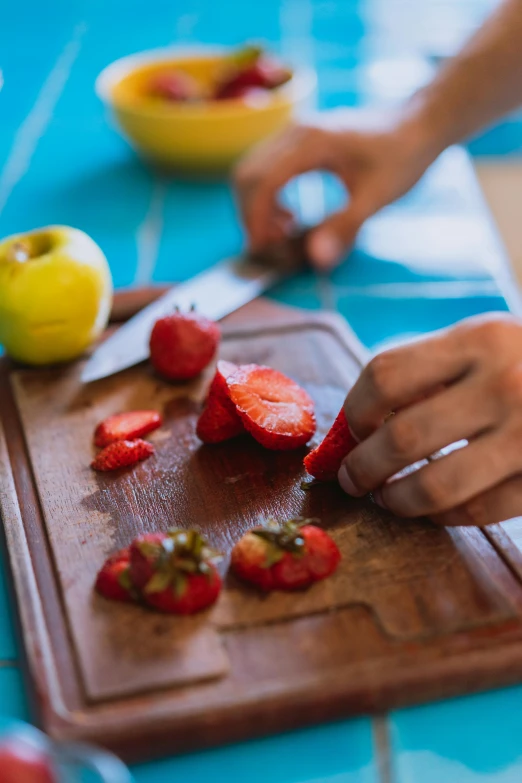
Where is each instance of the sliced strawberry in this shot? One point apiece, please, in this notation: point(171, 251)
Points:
point(175, 571)
point(113, 580)
point(219, 420)
point(122, 454)
point(273, 408)
point(287, 556)
point(126, 426)
point(176, 86)
point(323, 463)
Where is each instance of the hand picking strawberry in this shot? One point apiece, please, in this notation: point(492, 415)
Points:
point(285, 556)
point(182, 345)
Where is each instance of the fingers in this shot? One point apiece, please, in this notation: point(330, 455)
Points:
point(496, 505)
point(399, 377)
point(460, 412)
point(453, 480)
point(329, 242)
point(261, 175)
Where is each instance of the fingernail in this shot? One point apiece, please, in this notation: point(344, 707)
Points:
point(346, 483)
point(377, 496)
point(325, 249)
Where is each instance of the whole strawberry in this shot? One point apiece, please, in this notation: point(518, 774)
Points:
point(323, 462)
point(113, 580)
point(285, 556)
point(175, 571)
point(183, 344)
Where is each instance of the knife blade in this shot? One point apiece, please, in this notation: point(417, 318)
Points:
point(216, 292)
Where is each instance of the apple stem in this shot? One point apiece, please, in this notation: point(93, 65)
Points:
point(19, 252)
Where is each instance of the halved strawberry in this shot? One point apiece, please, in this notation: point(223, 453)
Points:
point(285, 556)
point(122, 454)
point(219, 420)
point(113, 580)
point(323, 462)
point(273, 408)
point(175, 571)
point(126, 426)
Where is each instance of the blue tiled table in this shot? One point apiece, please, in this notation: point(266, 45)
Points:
point(61, 162)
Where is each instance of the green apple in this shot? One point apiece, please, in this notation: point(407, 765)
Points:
point(55, 294)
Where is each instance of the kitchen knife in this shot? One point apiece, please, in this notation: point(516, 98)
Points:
point(214, 293)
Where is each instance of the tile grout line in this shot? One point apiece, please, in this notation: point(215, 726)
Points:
point(35, 124)
point(10, 664)
point(383, 752)
point(148, 235)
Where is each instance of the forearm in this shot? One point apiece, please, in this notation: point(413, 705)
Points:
point(475, 88)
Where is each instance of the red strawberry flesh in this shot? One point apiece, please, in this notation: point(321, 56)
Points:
point(219, 419)
point(273, 408)
point(323, 462)
point(122, 454)
point(126, 426)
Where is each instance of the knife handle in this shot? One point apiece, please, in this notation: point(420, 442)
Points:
point(128, 302)
point(289, 256)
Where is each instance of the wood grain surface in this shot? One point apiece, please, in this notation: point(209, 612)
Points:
point(414, 611)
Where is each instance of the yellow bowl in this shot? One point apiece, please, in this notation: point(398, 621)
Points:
point(208, 136)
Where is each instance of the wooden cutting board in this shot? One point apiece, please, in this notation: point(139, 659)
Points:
point(415, 612)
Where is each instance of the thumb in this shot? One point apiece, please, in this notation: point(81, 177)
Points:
point(329, 242)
